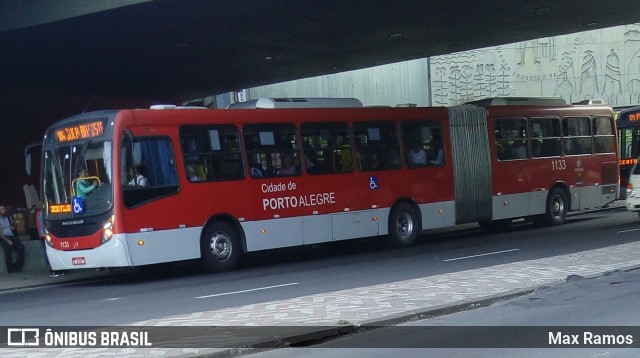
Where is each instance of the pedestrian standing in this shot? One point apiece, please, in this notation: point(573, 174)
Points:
point(9, 242)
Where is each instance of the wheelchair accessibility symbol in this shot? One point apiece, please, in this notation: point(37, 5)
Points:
point(373, 182)
point(78, 205)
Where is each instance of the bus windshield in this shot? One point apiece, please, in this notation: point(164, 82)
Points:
point(629, 135)
point(78, 179)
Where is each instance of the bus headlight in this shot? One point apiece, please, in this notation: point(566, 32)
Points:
point(107, 232)
point(47, 239)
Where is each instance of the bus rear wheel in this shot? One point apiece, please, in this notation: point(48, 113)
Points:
point(557, 207)
point(403, 226)
point(219, 247)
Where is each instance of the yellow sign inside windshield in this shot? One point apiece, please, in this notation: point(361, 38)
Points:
point(59, 208)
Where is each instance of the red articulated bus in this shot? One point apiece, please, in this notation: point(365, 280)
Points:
point(222, 182)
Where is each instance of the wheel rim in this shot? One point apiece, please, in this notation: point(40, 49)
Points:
point(558, 207)
point(404, 225)
point(220, 246)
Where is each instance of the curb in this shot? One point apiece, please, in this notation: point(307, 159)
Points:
point(57, 281)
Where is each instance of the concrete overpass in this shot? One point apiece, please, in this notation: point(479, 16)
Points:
point(169, 49)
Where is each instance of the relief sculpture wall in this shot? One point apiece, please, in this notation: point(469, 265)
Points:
point(600, 64)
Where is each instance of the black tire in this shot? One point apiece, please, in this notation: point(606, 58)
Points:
point(557, 207)
point(495, 225)
point(403, 226)
point(220, 247)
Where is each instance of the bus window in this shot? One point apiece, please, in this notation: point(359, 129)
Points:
point(423, 143)
point(271, 150)
point(376, 145)
point(153, 158)
point(327, 148)
point(545, 137)
point(603, 137)
point(511, 138)
point(211, 153)
point(577, 135)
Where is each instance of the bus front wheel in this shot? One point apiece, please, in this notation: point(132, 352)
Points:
point(403, 226)
point(557, 207)
point(219, 247)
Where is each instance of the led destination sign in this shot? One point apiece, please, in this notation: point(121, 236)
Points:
point(634, 117)
point(59, 208)
point(79, 131)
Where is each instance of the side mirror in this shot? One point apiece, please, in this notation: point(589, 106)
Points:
point(27, 156)
point(27, 163)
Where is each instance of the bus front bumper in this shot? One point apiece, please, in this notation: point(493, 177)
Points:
point(113, 253)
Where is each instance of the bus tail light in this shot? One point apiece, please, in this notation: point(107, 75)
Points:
point(107, 233)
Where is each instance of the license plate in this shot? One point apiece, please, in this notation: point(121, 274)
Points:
point(76, 261)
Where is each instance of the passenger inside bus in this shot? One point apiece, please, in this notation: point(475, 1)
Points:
point(257, 171)
point(191, 172)
point(417, 156)
point(392, 158)
point(518, 150)
point(311, 162)
point(288, 168)
point(536, 148)
point(138, 177)
point(368, 160)
point(328, 165)
point(436, 153)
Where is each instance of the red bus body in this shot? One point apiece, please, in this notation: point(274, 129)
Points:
point(187, 219)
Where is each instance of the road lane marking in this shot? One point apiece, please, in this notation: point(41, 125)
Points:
point(487, 254)
point(250, 290)
point(623, 231)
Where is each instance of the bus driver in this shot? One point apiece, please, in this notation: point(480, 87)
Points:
point(82, 187)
